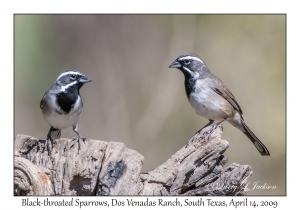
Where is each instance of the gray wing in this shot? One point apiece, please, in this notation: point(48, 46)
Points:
point(223, 91)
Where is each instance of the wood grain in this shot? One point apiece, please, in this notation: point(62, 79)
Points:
point(110, 168)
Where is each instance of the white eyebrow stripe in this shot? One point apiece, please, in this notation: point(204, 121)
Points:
point(190, 57)
point(64, 88)
point(66, 73)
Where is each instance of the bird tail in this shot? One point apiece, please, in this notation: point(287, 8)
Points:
point(262, 149)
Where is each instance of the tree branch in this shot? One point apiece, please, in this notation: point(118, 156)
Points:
point(109, 168)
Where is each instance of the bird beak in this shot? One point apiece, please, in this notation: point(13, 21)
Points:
point(84, 79)
point(175, 64)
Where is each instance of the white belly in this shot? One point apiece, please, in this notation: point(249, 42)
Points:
point(209, 104)
point(62, 121)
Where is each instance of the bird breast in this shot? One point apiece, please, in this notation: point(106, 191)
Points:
point(207, 103)
point(60, 120)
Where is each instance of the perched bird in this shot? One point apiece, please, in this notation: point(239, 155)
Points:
point(61, 105)
point(211, 99)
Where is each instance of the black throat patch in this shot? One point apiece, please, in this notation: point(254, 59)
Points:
point(190, 85)
point(66, 101)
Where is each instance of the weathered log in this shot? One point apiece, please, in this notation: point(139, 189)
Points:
point(109, 168)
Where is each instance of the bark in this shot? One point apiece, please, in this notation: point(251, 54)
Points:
point(109, 168)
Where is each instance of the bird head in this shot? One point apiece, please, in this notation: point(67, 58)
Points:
point(191, 65)
point(71, 79)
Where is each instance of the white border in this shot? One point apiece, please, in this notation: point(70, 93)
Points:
point(8, 8)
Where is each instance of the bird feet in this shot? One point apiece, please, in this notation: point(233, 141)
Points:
point(47, 145)
point(213, 128)
point(204, 135)
point(78, 138)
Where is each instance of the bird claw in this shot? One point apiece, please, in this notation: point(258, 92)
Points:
point(210, 131)
point(205, 134)
point(199, 131)
point(199, 139)
point(78, 138)
point(221, 127)
point(47, 145)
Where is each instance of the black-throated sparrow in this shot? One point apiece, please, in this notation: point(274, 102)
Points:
point(211, 99)
point(61, 105)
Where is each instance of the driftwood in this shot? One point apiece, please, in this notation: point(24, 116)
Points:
point(109, 168)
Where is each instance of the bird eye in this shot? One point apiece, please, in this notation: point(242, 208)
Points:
point(73, 76)
point(186, 62)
